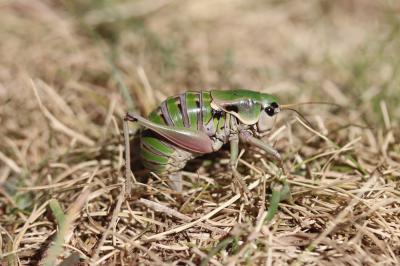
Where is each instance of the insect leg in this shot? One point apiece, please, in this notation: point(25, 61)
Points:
point(246, 137)
point(193, 140)
point(282, 186)
point(128, 181)
point(234, 147)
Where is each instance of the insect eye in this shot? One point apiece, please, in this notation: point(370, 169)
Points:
point(274, 105)
point(270, 110)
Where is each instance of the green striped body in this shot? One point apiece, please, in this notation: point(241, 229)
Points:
point(187, 110)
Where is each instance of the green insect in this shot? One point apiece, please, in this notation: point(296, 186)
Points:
point(195, 123)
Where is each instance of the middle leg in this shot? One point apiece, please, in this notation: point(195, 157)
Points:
point(234, 148)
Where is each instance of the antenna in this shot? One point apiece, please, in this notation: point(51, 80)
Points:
point(300, 115)
point(305, 103)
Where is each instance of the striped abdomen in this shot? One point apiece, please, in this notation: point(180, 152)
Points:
point(190, 110)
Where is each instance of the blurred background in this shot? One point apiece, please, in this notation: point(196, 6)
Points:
point(69, 70)
point(340, 51)
point(92, 60)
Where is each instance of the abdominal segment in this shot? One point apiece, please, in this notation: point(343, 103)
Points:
point(190, 110)
point(160, 156)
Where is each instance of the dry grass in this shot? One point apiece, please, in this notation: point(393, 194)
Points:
point(67, 69)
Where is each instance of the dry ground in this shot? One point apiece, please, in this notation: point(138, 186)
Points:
point(67, 69)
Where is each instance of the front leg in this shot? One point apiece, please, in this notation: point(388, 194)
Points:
point(248, 137)
point(281, 188)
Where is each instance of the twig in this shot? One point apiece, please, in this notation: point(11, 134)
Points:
point(188, 225)
point(171, 212)
point(112, 224)
point(57, 125)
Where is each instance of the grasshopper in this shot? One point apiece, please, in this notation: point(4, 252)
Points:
point(195, 123)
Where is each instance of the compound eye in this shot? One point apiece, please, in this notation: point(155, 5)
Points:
point(270, 110)
point(274, 105)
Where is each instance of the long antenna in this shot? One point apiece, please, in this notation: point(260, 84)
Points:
point(300, 115)
point(285, 106)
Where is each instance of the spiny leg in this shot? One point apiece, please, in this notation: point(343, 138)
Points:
point(281, 186)
point(187, 138)
point(128, 181)
point(266, 147)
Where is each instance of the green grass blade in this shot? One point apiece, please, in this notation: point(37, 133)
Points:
point(275, 199)
point(220, 246)
point(56, 248)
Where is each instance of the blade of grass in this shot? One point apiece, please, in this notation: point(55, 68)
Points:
point(275, 198)
point(56, 247)
point(123, 89)
point(220, 246)
point(64, 225)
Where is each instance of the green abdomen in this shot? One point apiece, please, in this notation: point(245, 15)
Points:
point(190, 110)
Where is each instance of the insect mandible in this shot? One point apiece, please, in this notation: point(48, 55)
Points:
point(195, 123)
